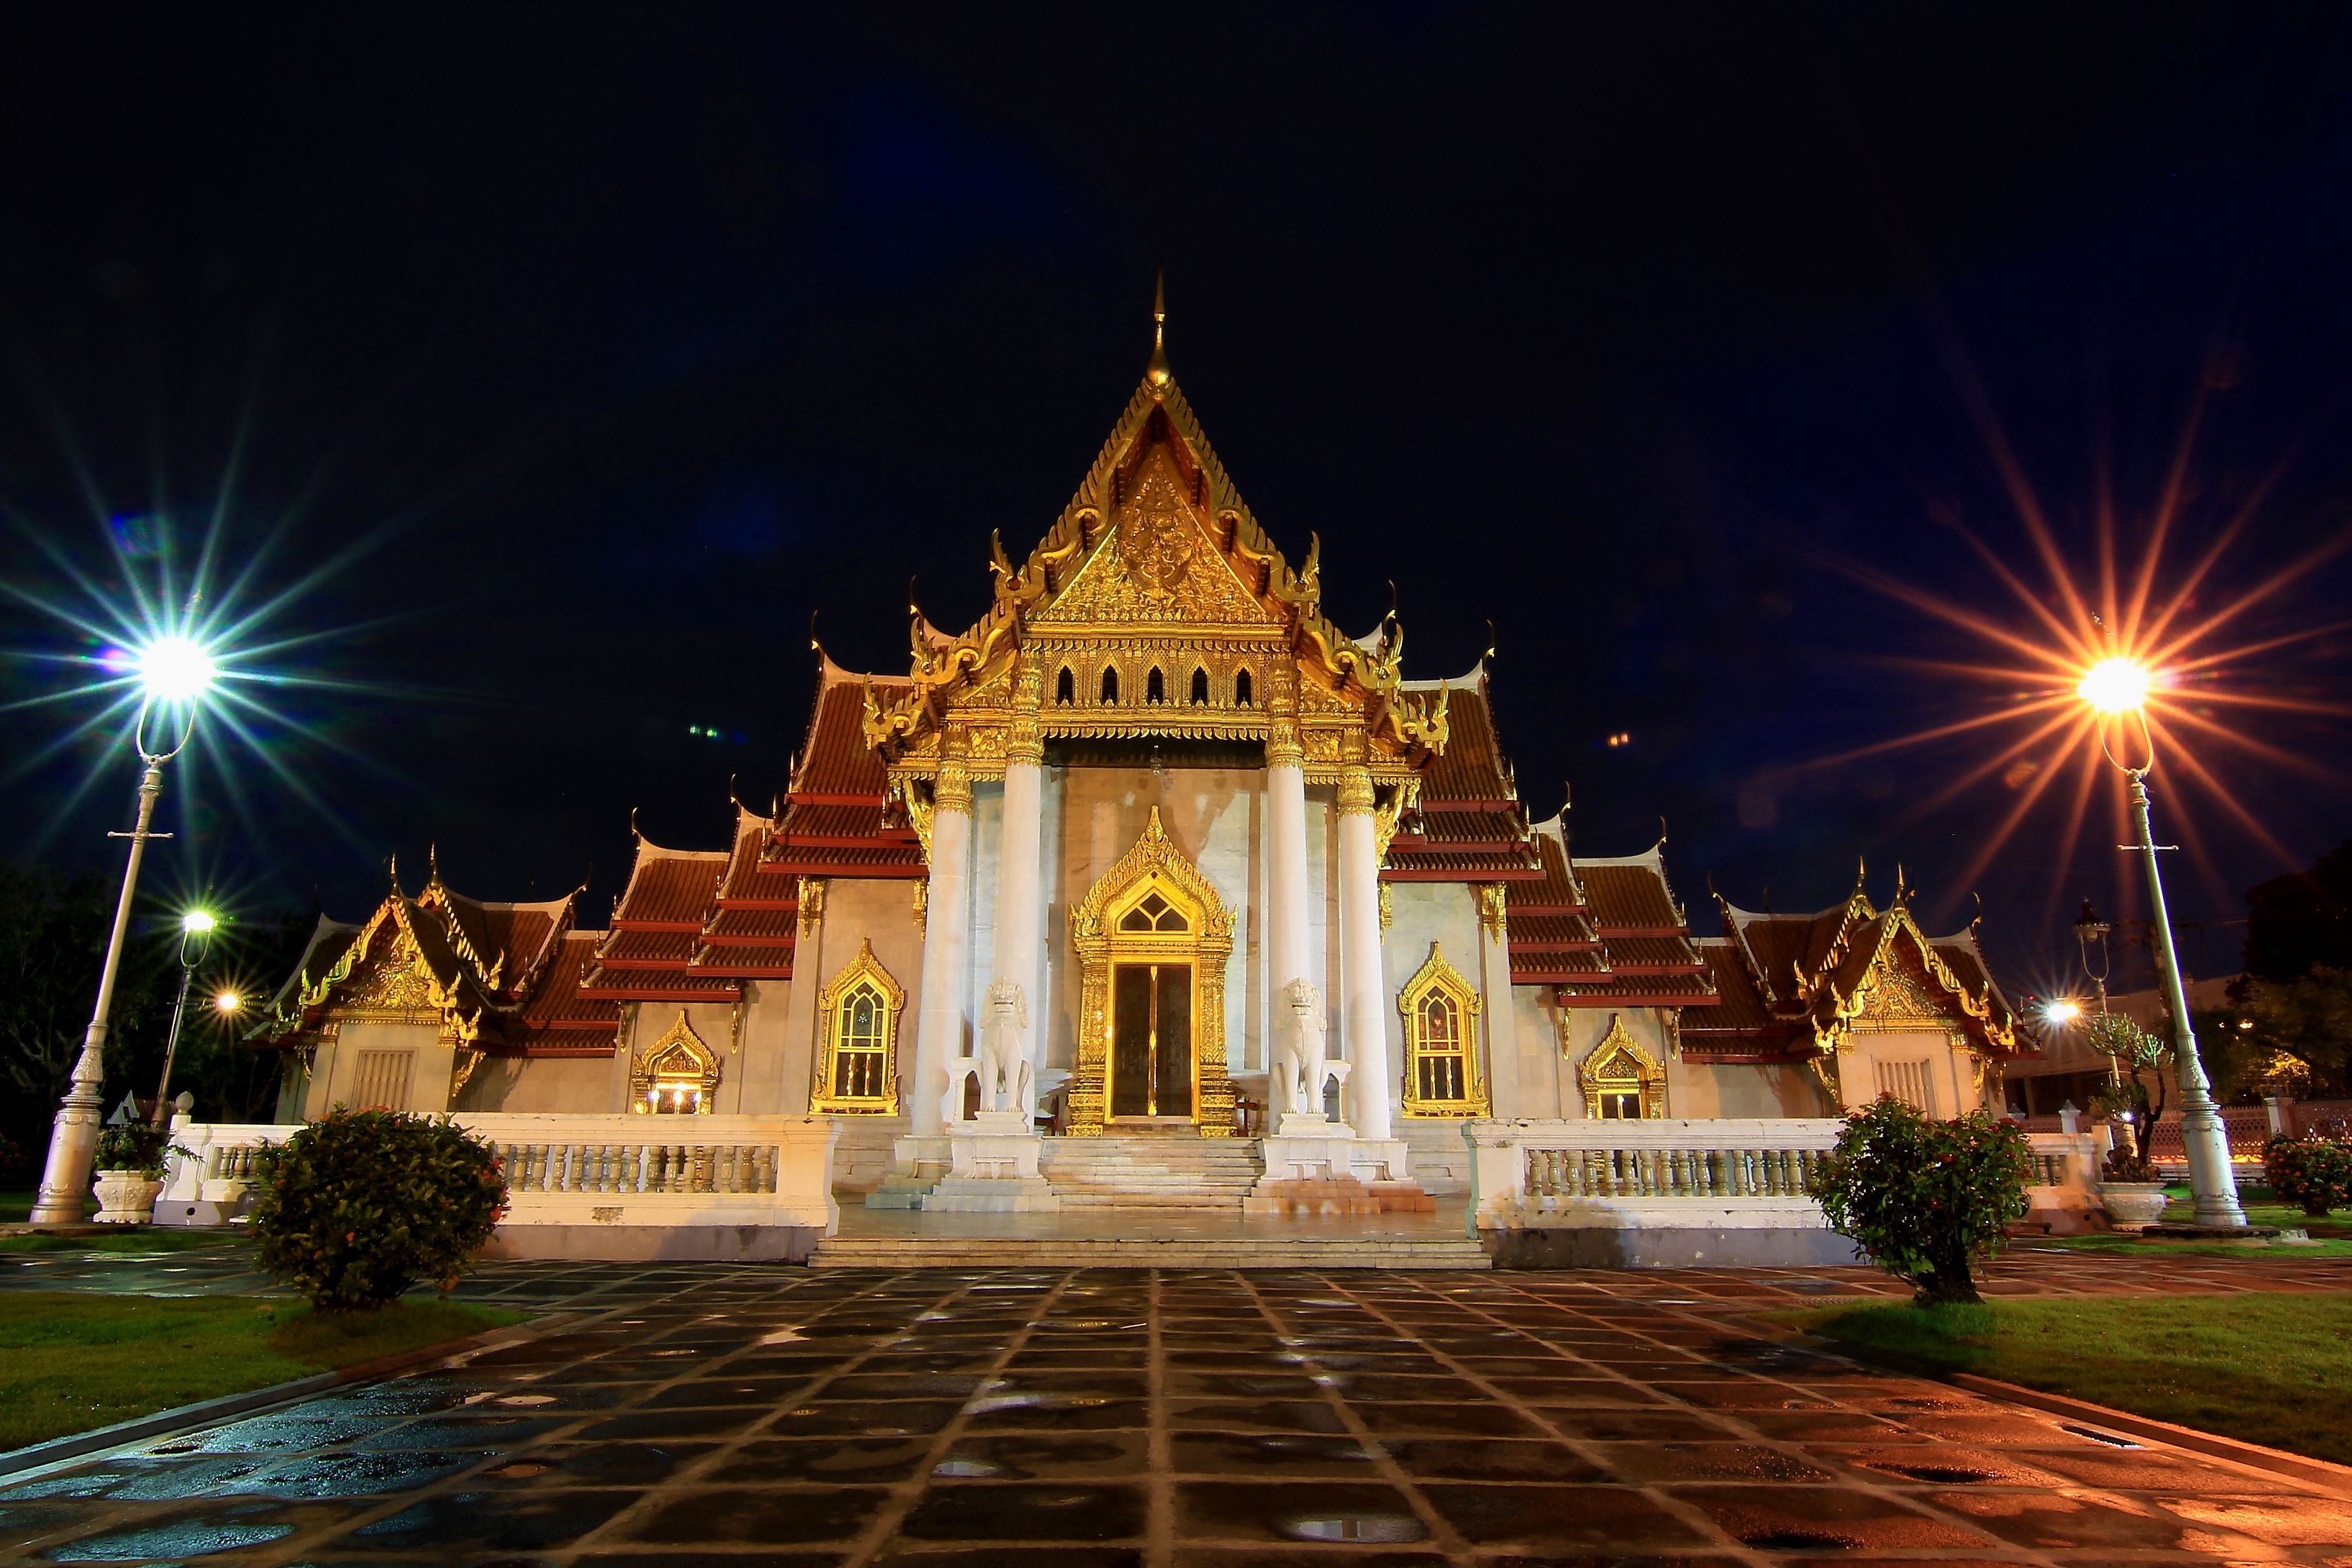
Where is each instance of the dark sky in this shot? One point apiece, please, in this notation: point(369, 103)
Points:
point(565, 358)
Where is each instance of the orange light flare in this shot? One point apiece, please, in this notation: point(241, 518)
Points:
point(2142, 665)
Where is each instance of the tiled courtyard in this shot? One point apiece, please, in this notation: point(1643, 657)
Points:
point(771, 1415)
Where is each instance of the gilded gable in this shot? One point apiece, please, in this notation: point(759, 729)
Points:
point(1158, 564)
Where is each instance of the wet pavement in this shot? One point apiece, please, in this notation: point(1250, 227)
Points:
point(1091, 1419)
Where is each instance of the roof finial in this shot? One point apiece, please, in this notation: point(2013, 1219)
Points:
point(1860, 871)
point(1156, 371)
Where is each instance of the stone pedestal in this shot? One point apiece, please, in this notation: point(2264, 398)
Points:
point(992, 1168)
point(917, 1165)
point(1316, 1168)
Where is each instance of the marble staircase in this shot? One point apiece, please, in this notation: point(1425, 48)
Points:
point(1168, 1171)
point(1306, 1246)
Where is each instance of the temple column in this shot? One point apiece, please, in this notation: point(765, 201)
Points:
point(1363, 1013)
point(1285, 827)
point(1020, 873)
point(947, 947)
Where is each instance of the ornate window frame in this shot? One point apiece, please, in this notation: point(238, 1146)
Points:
point(1436, 977)
point(679, 1059)
point(1620, 1064)
point(864, 971)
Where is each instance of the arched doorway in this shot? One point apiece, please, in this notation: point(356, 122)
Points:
point(1152, 939)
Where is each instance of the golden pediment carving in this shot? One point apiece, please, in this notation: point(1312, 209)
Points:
point(1158, 564)
point(391, 980)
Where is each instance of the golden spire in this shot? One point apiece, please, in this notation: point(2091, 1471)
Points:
point(1155, 372)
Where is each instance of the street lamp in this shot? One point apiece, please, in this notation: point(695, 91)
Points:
point(174, 673)
point(2117, 688)
point(195, 937)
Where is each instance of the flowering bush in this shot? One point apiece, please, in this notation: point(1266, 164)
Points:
point(357, 1206)
point(2315, 1173)
point(1925, 1198)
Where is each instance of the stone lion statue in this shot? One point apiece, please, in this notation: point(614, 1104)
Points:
point(1004, 1061)
point(1298, 1060)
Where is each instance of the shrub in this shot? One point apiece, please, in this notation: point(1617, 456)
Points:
point(356, 1208)
point(136, 1147)
point(1925, 1198)
point(2315, 1173)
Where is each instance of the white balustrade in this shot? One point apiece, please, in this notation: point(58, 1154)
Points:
point(1716, 1173)
point(588, 1170)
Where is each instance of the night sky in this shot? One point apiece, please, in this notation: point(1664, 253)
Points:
point(554, 363)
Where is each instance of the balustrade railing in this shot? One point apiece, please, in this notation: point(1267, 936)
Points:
point(637, 1170)
point(1731, 1173)
point(1675, 1173)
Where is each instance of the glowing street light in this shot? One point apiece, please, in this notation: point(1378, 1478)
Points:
point(2118, 687)
point(2062, 1013)
point(174, 671)
point(2115, 686)
point(228, 1004)
point(196, 928)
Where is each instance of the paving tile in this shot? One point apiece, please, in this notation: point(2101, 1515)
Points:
point(1816, 1518)
point(1318, 1511)
point(991, 1511)
point(1556, 1518)
point(760, 1515)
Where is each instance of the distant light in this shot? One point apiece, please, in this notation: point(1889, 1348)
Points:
point(1622, 737)
point(2115, 685)
point(174, 669)
point(2062, 1013)
point(228, 1002)
point(198, 922)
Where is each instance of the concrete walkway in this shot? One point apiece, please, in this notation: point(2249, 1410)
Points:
point(1195, 1419)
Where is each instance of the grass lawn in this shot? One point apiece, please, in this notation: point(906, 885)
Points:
point(128, 1238)
point(2273, 1370)
point(70, 1361)
point(2132, 1246)
point(14, 1207)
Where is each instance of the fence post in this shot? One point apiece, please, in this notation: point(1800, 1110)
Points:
point(2070, 1119)
point(2282, 1110)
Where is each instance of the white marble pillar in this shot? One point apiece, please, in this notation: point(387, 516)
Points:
point(1285, 828)
point(947, 948)
point(1020, 880)
point(1364, 987)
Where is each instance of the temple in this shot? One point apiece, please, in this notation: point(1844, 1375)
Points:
point(1153, 887)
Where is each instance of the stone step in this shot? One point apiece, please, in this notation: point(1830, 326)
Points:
point(1185, 1252)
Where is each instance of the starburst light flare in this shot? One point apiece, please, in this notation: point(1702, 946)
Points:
point(2114, 686)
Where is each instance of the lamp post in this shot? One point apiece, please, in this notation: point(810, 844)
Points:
point(195, 937)
point(173, 672)
point(2088, 928)
point(2118, 687)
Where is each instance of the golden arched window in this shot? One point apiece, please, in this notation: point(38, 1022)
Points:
point(1441, 1042)
point(1621, 1081)
point(857, 1061)
point(676, 1074)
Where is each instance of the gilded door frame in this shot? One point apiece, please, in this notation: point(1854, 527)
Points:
point(1153, 865)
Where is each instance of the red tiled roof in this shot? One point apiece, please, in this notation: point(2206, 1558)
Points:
point(1476, 826)
point(1555, 892)
point(875, 860)
point(1432, 866)
point(556, 1004)
point(670, 887)
point(1653, 955)
point(756, 926)
point(1472, 767)
point(648, 948)
point(1551, 933)
point(1641, 991)
point(1740, 1005)
point(657, 985)
point(1628, 898)
point(836, 761)
point(1542, 967)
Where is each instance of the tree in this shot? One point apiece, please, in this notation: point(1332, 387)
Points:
point(1925, 1199)
point(2136, 1097)
point(2307, 1021)
point(52, 933)
point(2296, 924)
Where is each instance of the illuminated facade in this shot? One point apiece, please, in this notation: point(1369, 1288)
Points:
point(1152, 852)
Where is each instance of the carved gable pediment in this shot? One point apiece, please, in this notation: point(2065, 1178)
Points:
point(1157, 564)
